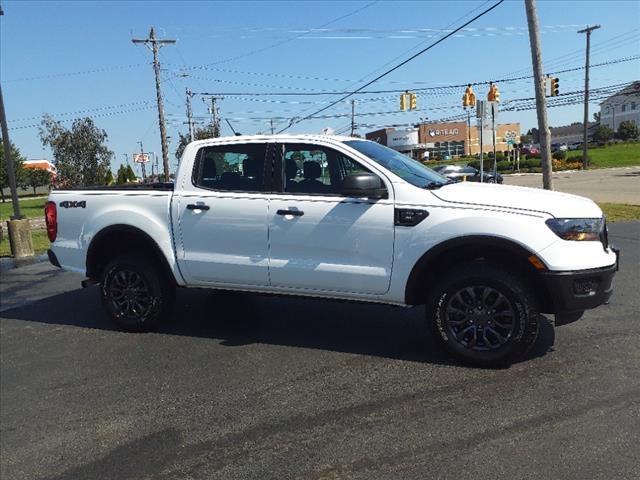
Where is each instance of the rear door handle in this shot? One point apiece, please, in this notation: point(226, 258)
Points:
point(196, 206)
point(295, 213)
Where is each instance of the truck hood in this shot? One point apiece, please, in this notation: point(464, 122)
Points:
point(557, 204)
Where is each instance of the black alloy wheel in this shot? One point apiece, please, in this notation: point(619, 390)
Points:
point(136, 293)
point(130, 296)
point(483, 313)
point(479, 318)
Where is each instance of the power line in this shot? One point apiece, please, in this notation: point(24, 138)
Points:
point(99, 115)
point(418, 89)
point(286, 40)
point(80, 72)
point(294, 122)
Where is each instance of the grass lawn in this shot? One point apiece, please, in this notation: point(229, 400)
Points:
point(30, 208)
point(620, 155)
point(620, 212)
point(39, 238)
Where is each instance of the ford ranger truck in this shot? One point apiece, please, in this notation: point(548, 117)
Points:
point(340, 218)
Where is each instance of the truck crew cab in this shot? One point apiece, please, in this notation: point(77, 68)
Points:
point(340, 218)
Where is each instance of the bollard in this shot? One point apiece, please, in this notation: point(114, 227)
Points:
point(19, 233)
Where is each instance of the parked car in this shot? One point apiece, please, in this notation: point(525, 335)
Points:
point(562, 147)
point(575, 145)
point(531, 151)
point(461, 173)
point(361, 223)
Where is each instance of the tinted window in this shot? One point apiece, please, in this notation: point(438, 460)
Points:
point(406, 168)
point(470, 170)
point(316, 170)
point(231, 167)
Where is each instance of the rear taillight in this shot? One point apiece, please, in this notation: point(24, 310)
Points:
point(51, 219)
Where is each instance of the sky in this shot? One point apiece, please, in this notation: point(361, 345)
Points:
point(76, 59)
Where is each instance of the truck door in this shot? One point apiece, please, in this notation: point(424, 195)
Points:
point(320, 239)
point(220, 215)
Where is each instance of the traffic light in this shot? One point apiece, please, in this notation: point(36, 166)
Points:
point(403, 101)
point(412, 101)
point(469, 98)
point(544, 86)
point(555, 87)
point(494, 94)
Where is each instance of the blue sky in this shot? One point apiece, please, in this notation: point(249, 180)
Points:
point(66, 57)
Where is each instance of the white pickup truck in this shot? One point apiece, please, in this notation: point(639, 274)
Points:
point(340, 218)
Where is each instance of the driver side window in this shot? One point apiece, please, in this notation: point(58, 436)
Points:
point(316, 170)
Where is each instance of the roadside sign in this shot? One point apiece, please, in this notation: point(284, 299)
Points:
point(140, 157)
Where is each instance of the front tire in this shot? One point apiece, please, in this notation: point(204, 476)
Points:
point(484, 314)
point(136, 293)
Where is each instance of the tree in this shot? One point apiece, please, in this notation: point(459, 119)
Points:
point(109, 178)
point(17, 166)
point(627, 130)
point(198, 134)
point(526, 139)
point(37, 177)
point(125, 174)
point(535, 135)
point(602, 133)
point(80, 153)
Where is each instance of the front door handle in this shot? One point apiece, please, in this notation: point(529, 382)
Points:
point(295, 213)
point(197, 206)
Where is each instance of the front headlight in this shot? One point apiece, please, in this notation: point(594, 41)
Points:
point(578, 229)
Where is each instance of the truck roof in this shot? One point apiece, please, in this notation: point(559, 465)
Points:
point(276, 137)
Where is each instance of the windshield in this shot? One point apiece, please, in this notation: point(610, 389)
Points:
point(409, 170)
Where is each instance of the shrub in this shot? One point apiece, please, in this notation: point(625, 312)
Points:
point(628, 130)
point(559, 155)
point(532, 155)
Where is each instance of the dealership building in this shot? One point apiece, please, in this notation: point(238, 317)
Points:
point(445, 139)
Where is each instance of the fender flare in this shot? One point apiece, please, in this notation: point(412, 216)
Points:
point(434, 255)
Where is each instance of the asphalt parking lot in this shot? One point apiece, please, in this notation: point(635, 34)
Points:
point(245, 386)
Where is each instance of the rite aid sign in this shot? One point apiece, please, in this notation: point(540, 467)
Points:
point(402, 138)
point(445, 131)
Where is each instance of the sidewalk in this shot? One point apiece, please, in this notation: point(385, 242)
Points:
point(612, 185)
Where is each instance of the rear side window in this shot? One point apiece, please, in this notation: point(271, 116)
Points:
point(237, 167)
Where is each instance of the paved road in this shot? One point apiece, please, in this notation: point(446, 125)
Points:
point(244, 386)
point(617, 185)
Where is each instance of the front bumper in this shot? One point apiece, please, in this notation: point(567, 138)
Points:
point(574, 291)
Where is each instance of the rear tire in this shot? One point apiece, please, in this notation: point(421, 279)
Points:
point(483, 314)
point(136, 294)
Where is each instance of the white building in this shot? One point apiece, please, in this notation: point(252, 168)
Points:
point(624, 105)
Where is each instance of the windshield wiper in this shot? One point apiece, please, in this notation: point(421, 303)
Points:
point(436, 185)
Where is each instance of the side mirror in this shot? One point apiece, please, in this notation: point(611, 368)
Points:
point(363, 185)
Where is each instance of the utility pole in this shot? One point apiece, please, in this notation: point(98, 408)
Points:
point(353, 117)
point(190, 115)
point(156, 43)
point(18, 227)
point(272, 127)
point(11, 173)
point(213, 110)
point(541, 100)
point(585, 148)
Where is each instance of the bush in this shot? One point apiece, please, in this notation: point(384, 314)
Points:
point(579, 159)
point(532, 155)
point(628, 130)
point(602, 133)
point(559, 155)
point(530, 163)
